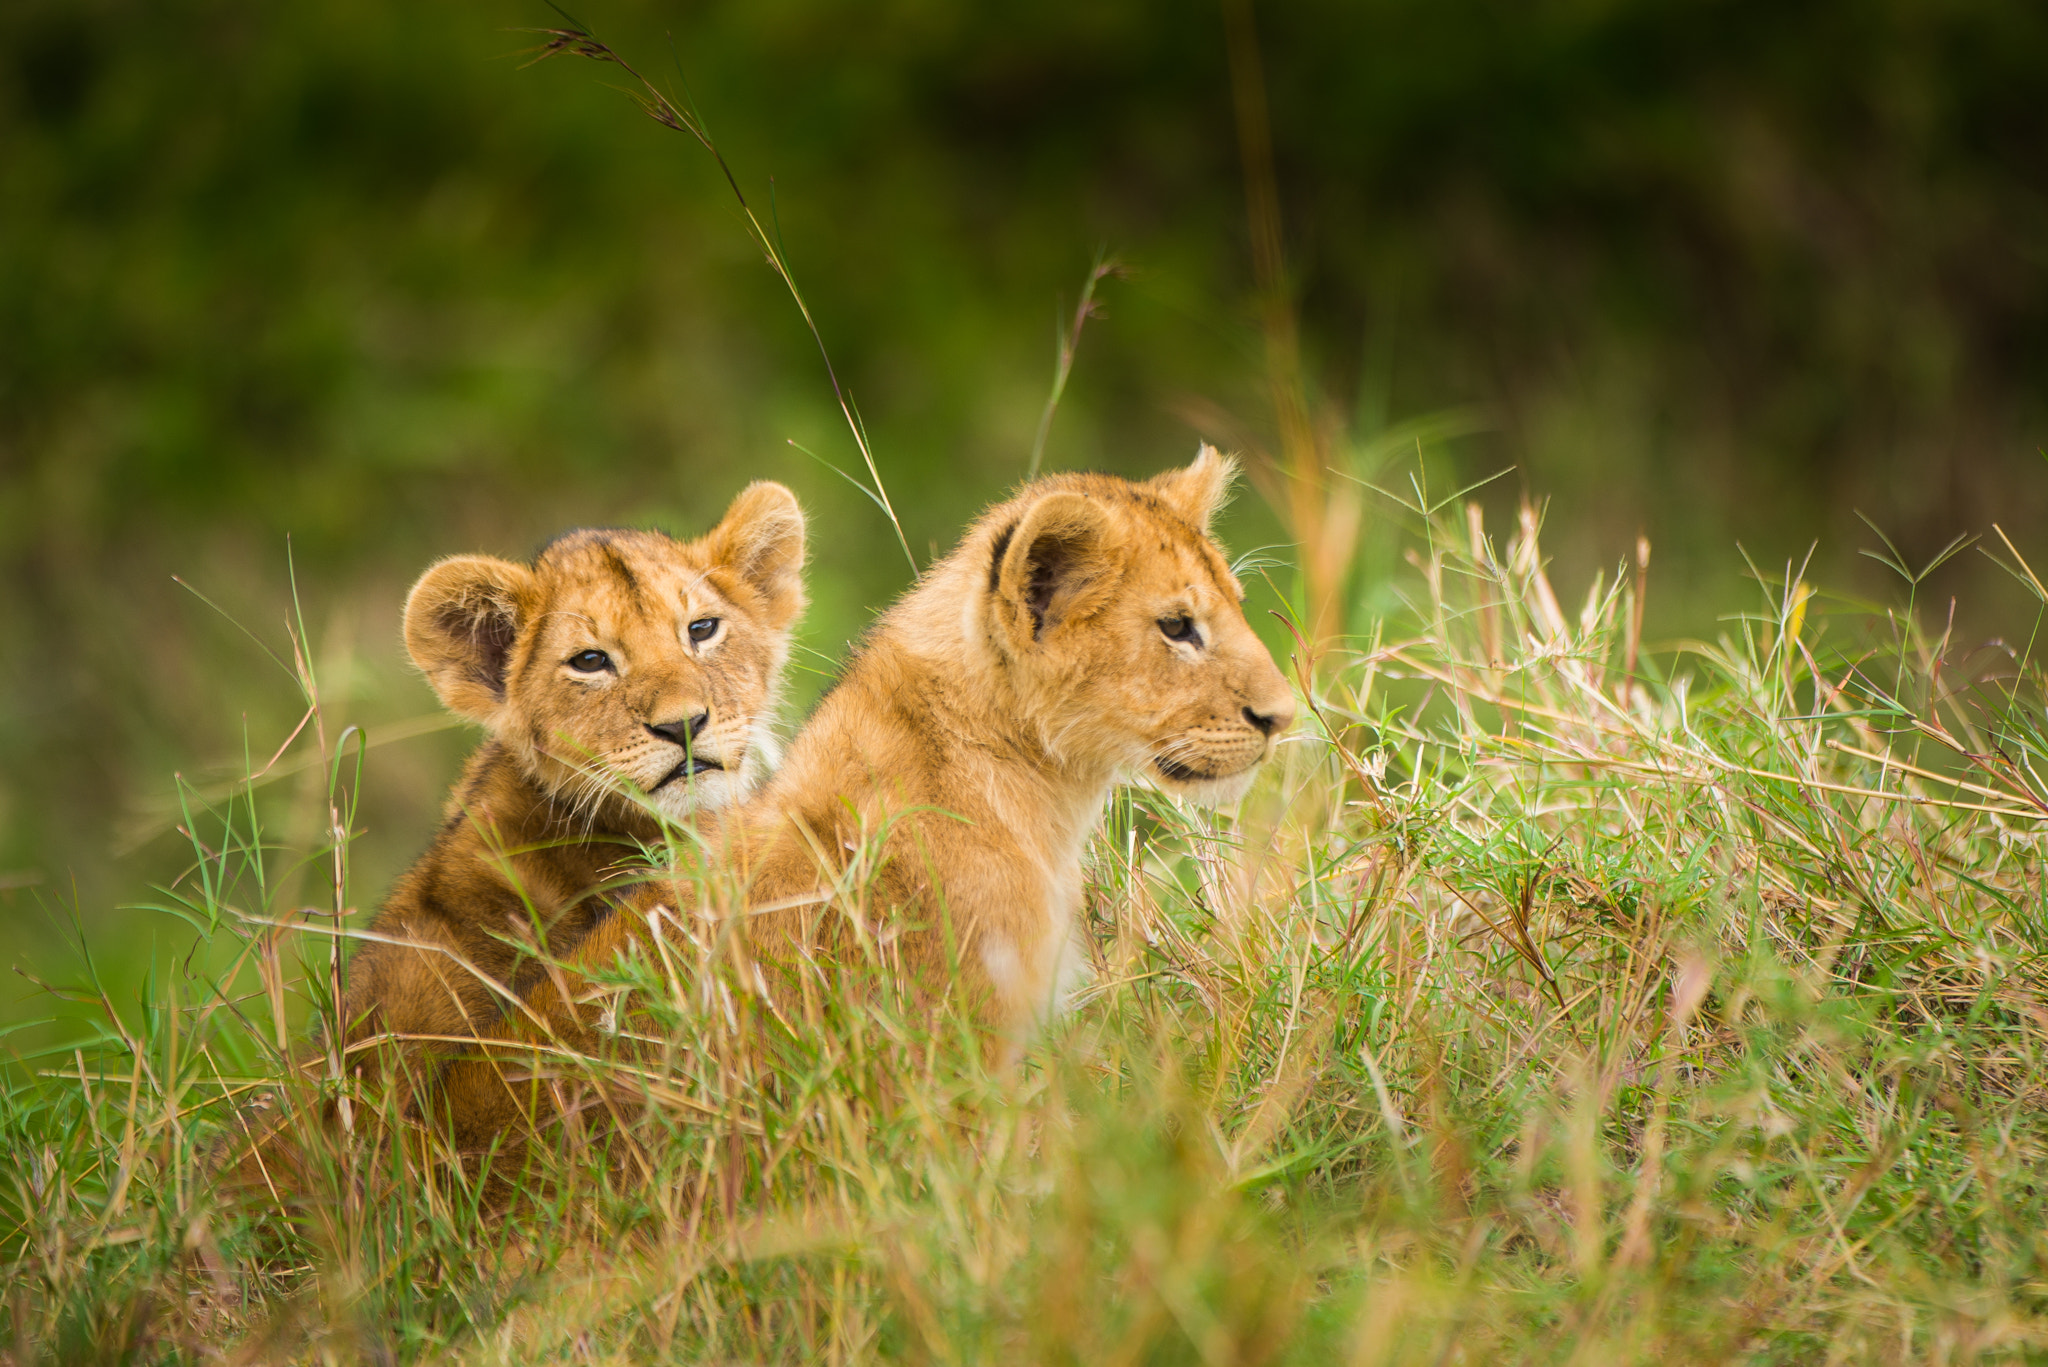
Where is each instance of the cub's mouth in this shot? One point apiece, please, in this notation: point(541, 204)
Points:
point(1181, 773)
point(695, 764)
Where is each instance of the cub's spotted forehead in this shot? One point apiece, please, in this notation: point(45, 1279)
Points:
point(629, 560)
point(1178, 541)
point(1128, 498)
point(633, 563)
point(624, 574)
point(1203, 562)
point(1147, 522)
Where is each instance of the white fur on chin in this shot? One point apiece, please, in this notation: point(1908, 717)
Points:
point(1205, 792)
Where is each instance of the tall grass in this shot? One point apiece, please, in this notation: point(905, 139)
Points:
point(1558, 997)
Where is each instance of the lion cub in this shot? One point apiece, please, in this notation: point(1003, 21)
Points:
point(622, 675)
point(1085, 633)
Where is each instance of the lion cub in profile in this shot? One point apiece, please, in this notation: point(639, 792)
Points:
point(1085, 633)
point(621, 675)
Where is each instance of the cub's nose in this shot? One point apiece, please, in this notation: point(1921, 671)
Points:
point(681, 732)
point(1278, 717)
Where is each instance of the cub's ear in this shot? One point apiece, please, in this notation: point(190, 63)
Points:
point(1054, 563)
point(762, 538)
point(1199, 490)
point(461, 621)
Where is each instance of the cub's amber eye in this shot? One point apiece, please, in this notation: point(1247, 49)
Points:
point(590, 662)
point(704, 628)
point(1180, 628)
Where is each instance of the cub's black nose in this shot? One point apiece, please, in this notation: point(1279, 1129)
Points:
point(681, 732)
point(1263, 723)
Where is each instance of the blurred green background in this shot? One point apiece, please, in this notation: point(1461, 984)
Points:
point(349, 278)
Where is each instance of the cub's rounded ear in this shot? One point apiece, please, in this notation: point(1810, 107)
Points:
point(1053, 564)
point(1199, 490)
point(461, 621)
point(762, 538)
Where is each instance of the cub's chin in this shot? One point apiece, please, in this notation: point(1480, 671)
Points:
point(706, 790)
point(1204, 790)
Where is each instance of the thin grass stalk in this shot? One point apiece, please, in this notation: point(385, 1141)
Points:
point(655, 103)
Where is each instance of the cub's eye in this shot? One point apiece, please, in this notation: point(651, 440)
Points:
point(590, 662)
point(1180, 628)
point(704, 628)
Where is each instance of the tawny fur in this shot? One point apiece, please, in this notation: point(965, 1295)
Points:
point(983, 725)
point(560, 795)
point(567, 787)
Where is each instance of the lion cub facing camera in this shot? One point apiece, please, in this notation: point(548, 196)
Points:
point(622, 671)
point(623, 678)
